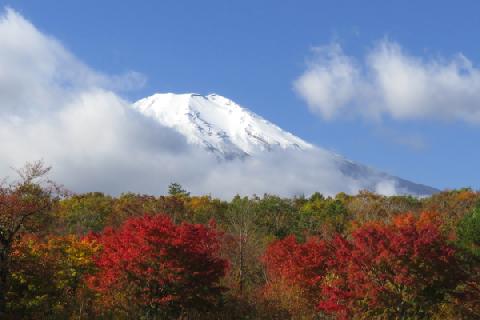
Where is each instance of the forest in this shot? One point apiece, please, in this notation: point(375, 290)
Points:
point(179, 256)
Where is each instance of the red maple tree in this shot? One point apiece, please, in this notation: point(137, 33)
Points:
point(158, 267)
point(406, 268)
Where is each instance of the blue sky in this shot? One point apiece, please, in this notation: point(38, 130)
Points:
point(254, 51)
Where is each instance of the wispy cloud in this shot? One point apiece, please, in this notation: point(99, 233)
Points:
point(390, 82)
point(412, 140)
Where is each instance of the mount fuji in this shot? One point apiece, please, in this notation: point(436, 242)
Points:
point(230, 131)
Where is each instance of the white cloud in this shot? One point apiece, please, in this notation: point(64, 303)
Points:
point(329, 82)
point(390, 82)
point(387, 188)
point(54, 107)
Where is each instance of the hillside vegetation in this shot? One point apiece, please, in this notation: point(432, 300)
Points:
point(178, 256)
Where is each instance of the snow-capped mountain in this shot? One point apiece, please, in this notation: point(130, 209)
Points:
point(231, 131)
point(218, 123)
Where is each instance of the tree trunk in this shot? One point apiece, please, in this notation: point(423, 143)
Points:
point(3, 282)
point(242, 263)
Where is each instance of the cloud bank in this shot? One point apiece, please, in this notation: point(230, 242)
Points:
point(56, 108)
point(390, 82)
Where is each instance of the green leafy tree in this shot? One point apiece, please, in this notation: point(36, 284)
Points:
point(323, 216)
point(83, 213)
point(276, 216)
point(468, 232)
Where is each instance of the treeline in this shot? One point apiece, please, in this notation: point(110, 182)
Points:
point(177, 256)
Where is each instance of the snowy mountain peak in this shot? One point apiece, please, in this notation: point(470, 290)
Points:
point(218, 124)
point(231, 131)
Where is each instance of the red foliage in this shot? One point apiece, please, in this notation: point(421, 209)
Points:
point(160, 264)
point(384, 270)
point(298, 263)
point(295, 273)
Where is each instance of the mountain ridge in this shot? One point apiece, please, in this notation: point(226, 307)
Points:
point(231, 131)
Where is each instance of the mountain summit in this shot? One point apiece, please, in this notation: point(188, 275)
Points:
point(218, 124)
point(230, 131)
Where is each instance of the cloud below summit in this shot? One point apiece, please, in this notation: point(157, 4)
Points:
point(389, 82)
point(56, 108)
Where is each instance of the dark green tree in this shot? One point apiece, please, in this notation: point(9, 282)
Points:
point(176, 189)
